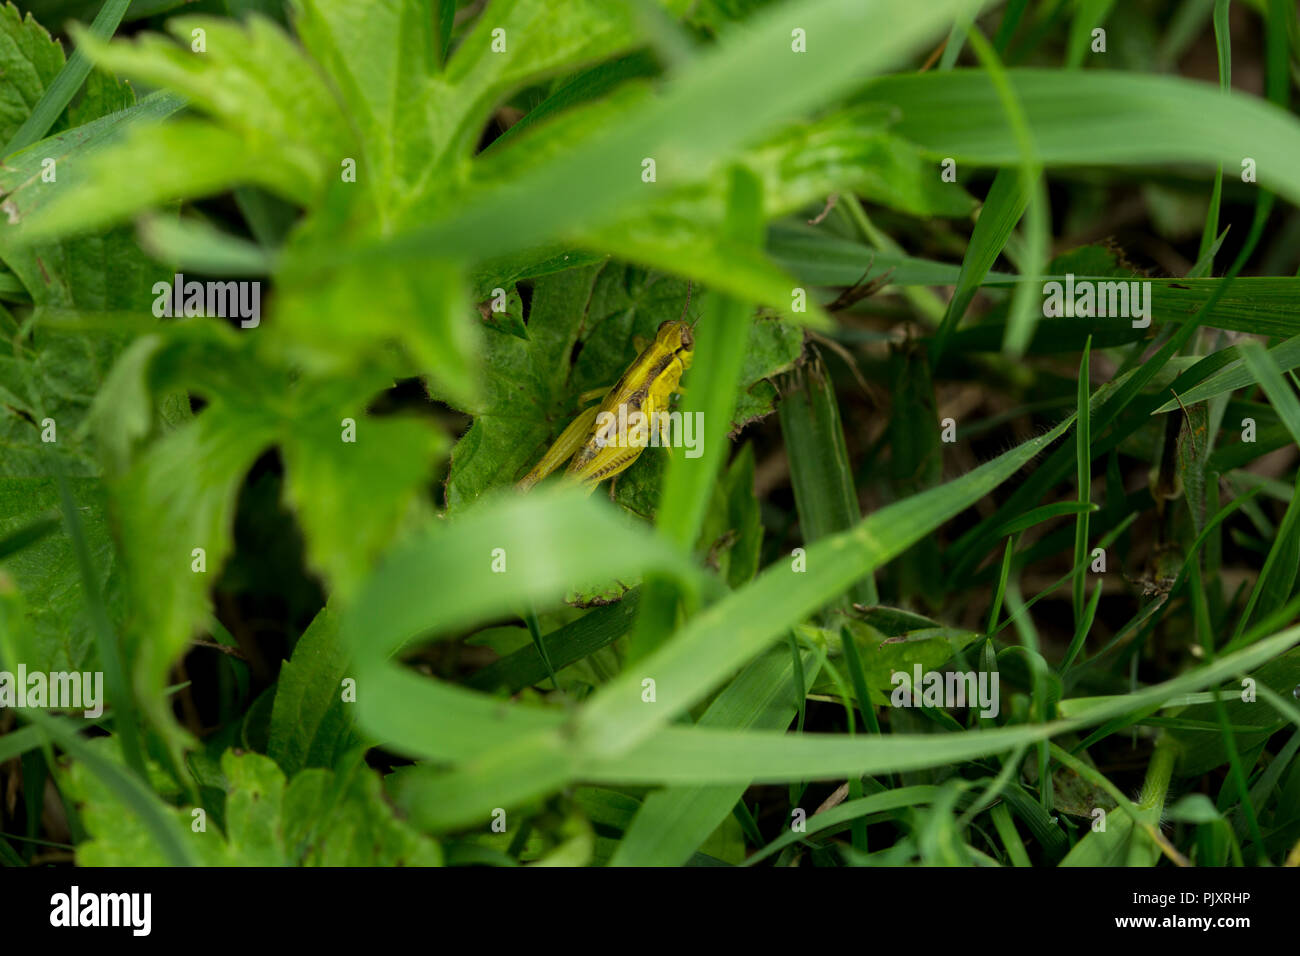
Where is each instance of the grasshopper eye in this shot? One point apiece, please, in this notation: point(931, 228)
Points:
point(688, 337)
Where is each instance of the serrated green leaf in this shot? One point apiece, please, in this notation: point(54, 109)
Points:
point(318, 819)
point(29, 61)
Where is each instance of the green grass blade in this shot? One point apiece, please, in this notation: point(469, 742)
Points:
point(60, 92)
point(710, 399)
point(1264, 370)
point(1278, 576)
point(106, 641)
point(536, 763)
point(672, 823)
point(1025, 301)
point(544, 560)
point(598, 628)
point(1223, 46)
point(696, 755)
point(820, 473)
point(128, 788)
point(1083, 476)
point(733, 630)
point(1003, 207)
point(1095, 118)
point(1090, 15)
point(1285, 356)
point(837, 818)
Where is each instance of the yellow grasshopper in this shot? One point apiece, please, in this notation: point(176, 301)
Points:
point(606, 438)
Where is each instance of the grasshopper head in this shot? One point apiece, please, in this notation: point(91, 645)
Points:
point(676, 337)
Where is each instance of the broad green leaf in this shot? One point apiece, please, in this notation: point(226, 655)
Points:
point(1128, 839)
point(252, 76)
point(333, 820)
point(311, 725)
point(423, 312)
point(102, 95)
point(30, 59)
point(352, 485)
point(513, 43)
point(49, 375)
point(379, 57)
point(147, 389)
point(177, 498)
point(525, 395)
point(48, 384)
point(55, 369)
point(1115, 845)
point(58, 635)
point(1194, 808)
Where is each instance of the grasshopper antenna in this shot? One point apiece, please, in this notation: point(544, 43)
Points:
point(687, 307)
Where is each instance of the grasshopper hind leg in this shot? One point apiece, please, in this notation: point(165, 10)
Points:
point(571, 439)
